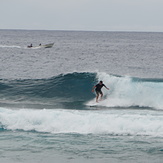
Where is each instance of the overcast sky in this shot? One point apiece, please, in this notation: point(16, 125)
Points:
point(95, 15)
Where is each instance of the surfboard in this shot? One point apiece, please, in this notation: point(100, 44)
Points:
point(92, 103)
point(99, 104)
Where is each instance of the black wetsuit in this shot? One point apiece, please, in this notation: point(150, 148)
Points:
point(98, 88)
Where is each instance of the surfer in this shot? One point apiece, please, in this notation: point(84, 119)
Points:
point(98, 89)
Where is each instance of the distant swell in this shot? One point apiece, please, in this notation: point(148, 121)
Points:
point(73, 90)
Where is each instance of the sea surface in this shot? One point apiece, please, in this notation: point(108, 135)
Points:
point(48, 112)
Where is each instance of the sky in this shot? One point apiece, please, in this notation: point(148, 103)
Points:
point(85, 15)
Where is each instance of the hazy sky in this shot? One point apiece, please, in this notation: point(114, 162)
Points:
point(96, 15)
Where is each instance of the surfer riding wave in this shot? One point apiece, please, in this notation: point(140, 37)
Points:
point(98, 90)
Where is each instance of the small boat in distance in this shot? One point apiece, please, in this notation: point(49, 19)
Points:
point(41, 46)
point(47, 45)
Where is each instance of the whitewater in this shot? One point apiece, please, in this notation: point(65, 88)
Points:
point(48, 111)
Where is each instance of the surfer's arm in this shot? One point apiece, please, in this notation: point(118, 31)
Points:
point(106, 87)
point(93, 88)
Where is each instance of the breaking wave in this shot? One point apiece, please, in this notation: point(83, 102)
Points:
point(74, 90)
point(50, 101)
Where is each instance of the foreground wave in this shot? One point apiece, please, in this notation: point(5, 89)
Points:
point(112, 122)
point(73, 91)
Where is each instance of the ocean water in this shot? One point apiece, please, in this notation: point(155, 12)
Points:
point(48, 111)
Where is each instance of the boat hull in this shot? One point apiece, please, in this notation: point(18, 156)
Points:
point(42, 46)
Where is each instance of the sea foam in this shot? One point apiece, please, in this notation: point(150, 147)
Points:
point(113, 122)
point(128, 91)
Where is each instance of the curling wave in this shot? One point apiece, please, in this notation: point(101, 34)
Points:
point(73, 90)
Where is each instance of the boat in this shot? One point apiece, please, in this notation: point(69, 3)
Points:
point(41, 46)
point(47, 45)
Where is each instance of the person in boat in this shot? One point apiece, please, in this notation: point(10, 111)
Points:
point(30, 46)
point(97, 88)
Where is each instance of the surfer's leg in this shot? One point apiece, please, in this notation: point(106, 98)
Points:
point(97, 95)
point(101, 94)
point(96, 98)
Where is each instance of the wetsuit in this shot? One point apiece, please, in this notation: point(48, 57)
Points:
point(98, 88)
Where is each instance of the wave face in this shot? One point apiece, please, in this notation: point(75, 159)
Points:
point(74, 91)
point(69, 90)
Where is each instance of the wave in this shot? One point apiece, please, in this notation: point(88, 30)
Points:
point(130, 91)
point(112, 122)
point(64, 90)
point(73, 90)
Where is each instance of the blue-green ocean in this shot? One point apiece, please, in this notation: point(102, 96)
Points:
point(48, 112)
